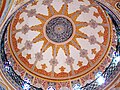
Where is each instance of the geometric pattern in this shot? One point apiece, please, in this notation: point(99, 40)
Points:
point(74, 41)
point(37, 42)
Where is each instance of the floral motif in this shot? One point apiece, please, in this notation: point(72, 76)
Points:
point(60, 20)
point(19, 40)
point(80, 63)
point(69, 60)
point(93, 23)
point(62, 69)
point(101, 34)
point(28, 56)
point(84, 8)
point(96, 14)
point(38, 56)
point(53, 62)
point(28, 45)
point(83, 53)
point(25, 29)
point(21, 20)
point(31, 13)
point(43, 66)
point(67, 1)
point(94, 51)
point(92, 39)
point(47, 2)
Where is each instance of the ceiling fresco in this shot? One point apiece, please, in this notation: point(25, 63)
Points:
point(61, 45)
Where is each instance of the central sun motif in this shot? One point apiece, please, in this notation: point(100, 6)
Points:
point(59, 28)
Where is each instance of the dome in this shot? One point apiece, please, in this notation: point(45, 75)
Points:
point(58, 43)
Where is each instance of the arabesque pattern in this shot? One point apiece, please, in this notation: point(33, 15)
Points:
point(38, 42)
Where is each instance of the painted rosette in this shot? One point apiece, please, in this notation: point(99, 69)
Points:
point(60, 42)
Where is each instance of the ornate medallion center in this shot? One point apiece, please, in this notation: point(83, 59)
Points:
point(59, 29)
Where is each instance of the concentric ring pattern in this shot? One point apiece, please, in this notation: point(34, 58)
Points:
point(60, 42)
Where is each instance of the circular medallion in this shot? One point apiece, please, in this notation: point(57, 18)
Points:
point(59, 29)
point(59, 43)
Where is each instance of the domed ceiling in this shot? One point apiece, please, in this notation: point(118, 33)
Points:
point(57, 44)
point(62, 41)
